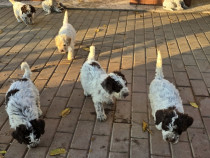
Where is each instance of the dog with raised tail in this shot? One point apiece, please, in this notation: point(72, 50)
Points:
point(167, 108)
point(23, 108)
point(102, 87)
point(23, 12)
point(65, 39)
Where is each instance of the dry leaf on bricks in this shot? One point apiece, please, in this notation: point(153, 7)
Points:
point(65, 112)
point(3, 152)
point(86, 49)
point(57, 151)
point(194, 105)
point(145, 127)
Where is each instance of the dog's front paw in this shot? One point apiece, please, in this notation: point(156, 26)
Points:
point(110, 102)
point(101, 117)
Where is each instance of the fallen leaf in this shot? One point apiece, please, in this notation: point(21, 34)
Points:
point(65, 112)
point(145, 127)
point(86, 49)
point(57, 151)
point(104, 25)
point(3, 152)
point(1, 31)
point(97, 30)
point(194, 105)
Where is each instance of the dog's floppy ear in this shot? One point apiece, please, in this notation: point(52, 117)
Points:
point(20, 134)
point(121, 75)
point(33, 10)
point(110, 85)
point(38, 125)
point(159, 115)
point(184, 122)
point(24, 9)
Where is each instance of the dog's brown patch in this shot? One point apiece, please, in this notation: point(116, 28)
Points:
point(24, 9)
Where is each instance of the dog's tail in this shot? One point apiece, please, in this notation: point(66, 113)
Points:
point(159, 69)
point(26, 68)
point(12, 1)
point(65, 19)
point(91, 55)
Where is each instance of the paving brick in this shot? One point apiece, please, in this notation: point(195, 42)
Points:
point(136, 128)
point(60, 140)
point(194, 112)
point(123, 110)
point(177, 65)
point(158, 145)
point(6, 133)
point(50, 129)
point(16, 148)
point(68, 123)
point(193, 72)
point(3, 115)
point(118, 155)
point(120, 143)
point(181, 79)
point(180, 149)
point(40, 84)
point(203, 65)
point(207, 125)
point(58, 104)
point(82, 137)
point(104, 128)
point(199, 142)
point(206, 77)
point(65, 89)
point(74, 153)
point(203, 103)
point(139, 84)
point(139, 147)
point(139, 102)
point(36, 152)
point(199, 88)
point(88, 111)
point(186, 95)
point(47, 95)
point(77, 98)
point(99, 146)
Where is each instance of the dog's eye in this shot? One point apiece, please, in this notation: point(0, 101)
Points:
point(64, 45)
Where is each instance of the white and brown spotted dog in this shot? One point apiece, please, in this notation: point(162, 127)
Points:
point(23, 12)
point(101, 86)
point(167, 108)
point(65, 39)
point(52, 6)
point(174, 5)
point(23, 108)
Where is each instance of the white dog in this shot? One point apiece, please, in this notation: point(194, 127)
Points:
point(51, 5)
point(23, 12)
point(23, 108)
point(101, 86)
point(167, 108)
point(174, 5)
point(66, 38)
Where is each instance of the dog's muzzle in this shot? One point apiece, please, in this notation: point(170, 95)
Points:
point(125, 94)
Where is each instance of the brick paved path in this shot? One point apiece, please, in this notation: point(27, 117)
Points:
point(126, 41)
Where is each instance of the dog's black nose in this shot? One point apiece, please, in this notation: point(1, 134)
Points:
point(125, 94)
point(62, 50)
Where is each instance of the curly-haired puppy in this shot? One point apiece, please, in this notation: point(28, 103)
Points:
point(174, 5)
point(167, 108)
point(51, 5)
point(66, 38)
point(23, 109)
point(23, 12)
point(101, 86)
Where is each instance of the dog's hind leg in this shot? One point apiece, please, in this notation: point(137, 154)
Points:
point(70, 55)
point(101, 116)
point(109, 101)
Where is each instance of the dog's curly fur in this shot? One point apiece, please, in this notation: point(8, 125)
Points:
point(167, 108)
point(23, 12)
point(65, 39)
point(51, 5)
point(23, 108)
point(101, 86)
point(174, 5)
